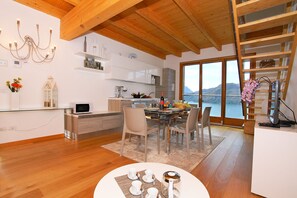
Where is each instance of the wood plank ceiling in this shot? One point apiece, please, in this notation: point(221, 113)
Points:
point(158, 27)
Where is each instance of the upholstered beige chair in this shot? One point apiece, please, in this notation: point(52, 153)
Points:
point(205, 122)
point(135, 123)
point(187, 127)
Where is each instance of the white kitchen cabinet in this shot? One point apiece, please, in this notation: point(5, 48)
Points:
point(119, 73)
point(127, 69)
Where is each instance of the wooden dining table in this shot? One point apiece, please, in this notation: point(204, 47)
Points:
point(165, 118)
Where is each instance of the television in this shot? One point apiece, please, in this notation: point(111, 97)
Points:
point(274, 102)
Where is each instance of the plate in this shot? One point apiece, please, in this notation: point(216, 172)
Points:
point(148, 181)
point(134, 178)
point(174, 109)
point(133, 192)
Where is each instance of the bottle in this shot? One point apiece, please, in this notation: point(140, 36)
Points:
point(162, 102)
point(85, 44)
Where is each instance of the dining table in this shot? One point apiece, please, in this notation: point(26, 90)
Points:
point(165, 117)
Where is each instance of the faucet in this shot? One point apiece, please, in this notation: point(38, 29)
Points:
point(151, 93)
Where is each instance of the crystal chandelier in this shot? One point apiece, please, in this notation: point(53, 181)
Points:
point(29, 48)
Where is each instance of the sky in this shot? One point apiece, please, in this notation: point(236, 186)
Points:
point(212, 73)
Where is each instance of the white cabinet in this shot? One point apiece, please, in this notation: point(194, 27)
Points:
point(126, 69)
point(274, 162)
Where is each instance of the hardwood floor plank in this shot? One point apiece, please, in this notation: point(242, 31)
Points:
point(64, 168)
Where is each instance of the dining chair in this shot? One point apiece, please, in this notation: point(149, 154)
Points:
point(135, 123)
point(205, 122)
point(187, 127)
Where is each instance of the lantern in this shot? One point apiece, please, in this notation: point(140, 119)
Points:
point(50, 90)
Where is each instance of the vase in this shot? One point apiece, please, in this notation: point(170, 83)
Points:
point(14, 100)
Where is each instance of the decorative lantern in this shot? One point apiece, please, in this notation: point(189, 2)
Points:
point(50, 90)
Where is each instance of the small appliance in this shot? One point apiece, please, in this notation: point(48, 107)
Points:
point(83, 107)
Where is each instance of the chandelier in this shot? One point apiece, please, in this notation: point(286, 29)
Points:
point(29, 48)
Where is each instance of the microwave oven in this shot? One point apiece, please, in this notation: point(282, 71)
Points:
point(82, 108)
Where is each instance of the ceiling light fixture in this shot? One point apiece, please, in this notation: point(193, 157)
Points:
point(29, 48)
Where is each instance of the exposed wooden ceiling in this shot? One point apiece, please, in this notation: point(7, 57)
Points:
point(158, 27)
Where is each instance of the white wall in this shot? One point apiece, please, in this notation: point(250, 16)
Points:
point(73, 85)
point(173, 62)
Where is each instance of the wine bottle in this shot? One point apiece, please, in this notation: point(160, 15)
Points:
point(162, 102)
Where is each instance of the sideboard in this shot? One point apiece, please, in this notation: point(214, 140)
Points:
point(274, 162)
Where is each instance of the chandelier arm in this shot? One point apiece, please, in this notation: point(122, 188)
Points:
point(37, 54)
point(7, 48)
point(19, 32)
point(37, 28)
point(24, 57)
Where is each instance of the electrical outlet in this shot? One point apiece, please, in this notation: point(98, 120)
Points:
point(3, 63)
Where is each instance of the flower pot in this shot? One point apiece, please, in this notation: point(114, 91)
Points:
point(249, 126)
point(14, 100)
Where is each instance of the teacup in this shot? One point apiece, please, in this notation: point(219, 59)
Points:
point(148, 174)
point(132, 173)
point(152, 192)
point(136, 186)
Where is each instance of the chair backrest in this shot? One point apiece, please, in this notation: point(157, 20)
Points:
point(134, 120)
point(205, 116)
point(192, 119)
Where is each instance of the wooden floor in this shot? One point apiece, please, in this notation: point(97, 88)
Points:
point(63, 168)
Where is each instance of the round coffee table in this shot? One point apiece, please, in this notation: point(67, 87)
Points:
point(189, 185)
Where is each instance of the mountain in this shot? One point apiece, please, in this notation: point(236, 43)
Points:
point(212, 95)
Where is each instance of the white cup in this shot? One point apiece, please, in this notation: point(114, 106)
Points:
point(152, 192)
point(132, 173)
point(148, 174)
point(136, 186)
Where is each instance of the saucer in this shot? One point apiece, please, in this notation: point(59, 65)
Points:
point(146, 180)
point(148, 196)
point(133, 192)
point(132, 178)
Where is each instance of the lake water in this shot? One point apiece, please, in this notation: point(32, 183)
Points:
point(232, 110)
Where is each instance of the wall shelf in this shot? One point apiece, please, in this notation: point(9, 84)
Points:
point(88, 55)
point(90, 70)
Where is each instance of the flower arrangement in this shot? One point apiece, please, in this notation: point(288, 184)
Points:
point(249, 90)
point(15, 86)
point(250, 87)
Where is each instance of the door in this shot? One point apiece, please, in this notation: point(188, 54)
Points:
point(213, 83)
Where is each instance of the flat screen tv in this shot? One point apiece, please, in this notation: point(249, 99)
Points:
point(274, 102)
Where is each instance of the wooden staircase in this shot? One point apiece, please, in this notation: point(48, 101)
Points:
point(265, 32)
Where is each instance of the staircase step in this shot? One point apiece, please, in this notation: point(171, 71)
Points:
point(269, 40)
point(268, 55)
point(266, 69)
point(256, 5)
point(269, 22)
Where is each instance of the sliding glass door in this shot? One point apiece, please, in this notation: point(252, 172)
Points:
point(213, 83)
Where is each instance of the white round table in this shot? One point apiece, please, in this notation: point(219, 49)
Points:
point(189, 186)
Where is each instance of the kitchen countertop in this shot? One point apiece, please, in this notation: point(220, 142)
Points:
point(134, 99)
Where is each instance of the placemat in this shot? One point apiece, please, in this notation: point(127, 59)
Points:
point(125, 183)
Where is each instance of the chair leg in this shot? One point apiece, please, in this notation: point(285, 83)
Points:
point(158, 140)
point(187, 142)
point(123, 142)
point(209, 131)
point(177, 134)
point(202, 136)
point(145, 148)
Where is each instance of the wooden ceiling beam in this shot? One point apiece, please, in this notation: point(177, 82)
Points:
point(73, 2)
point(110, 33)
point(89, 13)
point(157, 21)
point(130, 28)
point(199, 23)
point(45, 7)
